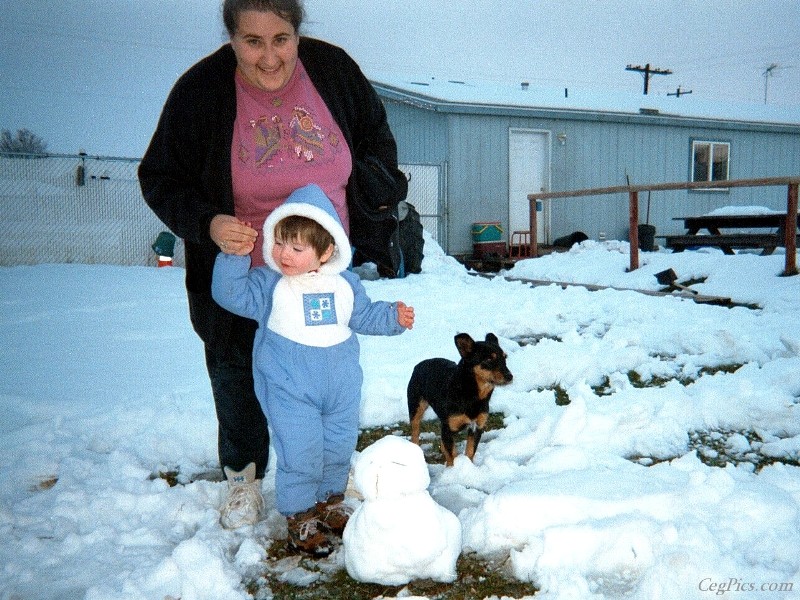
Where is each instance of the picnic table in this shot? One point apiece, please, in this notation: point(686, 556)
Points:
point(713, 224)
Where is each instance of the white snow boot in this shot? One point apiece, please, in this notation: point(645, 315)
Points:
point(244, 504)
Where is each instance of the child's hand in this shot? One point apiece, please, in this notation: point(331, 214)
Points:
point(405, 315)
point(245, 248)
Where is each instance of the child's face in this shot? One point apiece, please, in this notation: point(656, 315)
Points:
point(296, 257)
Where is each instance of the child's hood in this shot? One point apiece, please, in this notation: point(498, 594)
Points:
point(311, 202)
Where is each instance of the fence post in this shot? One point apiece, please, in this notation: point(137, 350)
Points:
point(533, 248)
point(790, 231)
point(633, 236)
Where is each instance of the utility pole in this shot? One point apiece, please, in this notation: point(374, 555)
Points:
point(647, 71)
point(679, 92)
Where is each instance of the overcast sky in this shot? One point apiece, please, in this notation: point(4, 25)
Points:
point(93, 74)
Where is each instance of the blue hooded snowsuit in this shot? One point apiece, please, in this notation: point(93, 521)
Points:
point(305, 356)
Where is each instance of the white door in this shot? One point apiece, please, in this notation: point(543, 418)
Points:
point(528, 173)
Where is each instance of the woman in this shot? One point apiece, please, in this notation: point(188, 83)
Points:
point(265, 114)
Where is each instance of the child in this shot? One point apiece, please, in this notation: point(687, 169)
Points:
point(306, 358)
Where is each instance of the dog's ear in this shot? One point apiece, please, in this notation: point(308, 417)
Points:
point(465, 344)
point(492, 339)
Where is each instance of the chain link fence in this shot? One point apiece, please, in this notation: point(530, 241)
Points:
point(426, 189)
point(57, 208)
point(75, 209)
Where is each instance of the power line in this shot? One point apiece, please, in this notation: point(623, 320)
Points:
point(647, 71)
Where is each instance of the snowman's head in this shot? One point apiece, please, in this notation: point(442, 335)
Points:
point(392, 467)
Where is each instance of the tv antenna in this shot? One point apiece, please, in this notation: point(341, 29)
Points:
point(770, 72)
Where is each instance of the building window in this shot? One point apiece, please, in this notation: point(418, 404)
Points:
point(710, 161)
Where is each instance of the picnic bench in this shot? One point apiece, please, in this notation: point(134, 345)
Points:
point(727, 242)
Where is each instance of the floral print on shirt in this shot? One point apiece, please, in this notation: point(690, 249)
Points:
point(302, 138)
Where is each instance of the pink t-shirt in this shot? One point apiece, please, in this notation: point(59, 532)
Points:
point(282, 141)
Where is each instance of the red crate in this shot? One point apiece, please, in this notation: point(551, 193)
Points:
point(489, 249)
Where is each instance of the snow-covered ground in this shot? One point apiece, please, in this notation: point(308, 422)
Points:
point(103, 386)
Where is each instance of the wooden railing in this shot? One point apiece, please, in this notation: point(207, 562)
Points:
point(790, 233)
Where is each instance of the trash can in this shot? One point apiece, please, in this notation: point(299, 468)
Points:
point(647, 236)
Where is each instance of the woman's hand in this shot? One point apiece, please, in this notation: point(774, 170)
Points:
point(405, 315)
point(232, 235)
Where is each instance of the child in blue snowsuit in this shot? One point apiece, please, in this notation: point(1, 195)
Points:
point(306, 357)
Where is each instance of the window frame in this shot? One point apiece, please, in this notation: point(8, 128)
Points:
point(711, 145)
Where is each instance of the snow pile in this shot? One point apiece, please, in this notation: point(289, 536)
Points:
point(600, 484)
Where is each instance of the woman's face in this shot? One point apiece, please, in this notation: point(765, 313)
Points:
point(266, 49)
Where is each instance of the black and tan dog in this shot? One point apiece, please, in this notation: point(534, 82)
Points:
point(458, 393)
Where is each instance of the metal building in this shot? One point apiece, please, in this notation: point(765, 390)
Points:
point(474, 150)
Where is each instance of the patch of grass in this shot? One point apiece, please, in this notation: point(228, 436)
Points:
point(731, 368)
point(723, 447)
point(562, 397)
point(477, 579)
point(44, 484)
point(534, 338)
point(636, 380)
point(367, 437)
point(429, 430)
point(175, 477)
point(603, 389)
point(171, 477)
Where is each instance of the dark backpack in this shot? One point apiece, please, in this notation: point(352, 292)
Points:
point(411, 240)
point(377, 231)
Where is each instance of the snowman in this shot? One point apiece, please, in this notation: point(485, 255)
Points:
point(398, 533)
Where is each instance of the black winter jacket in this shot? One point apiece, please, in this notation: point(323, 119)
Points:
point(185, 174)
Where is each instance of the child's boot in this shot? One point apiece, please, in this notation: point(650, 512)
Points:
point(306, 535)
point(334, 514)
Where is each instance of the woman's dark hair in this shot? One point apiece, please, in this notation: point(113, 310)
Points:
point(289, 10)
